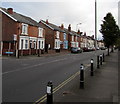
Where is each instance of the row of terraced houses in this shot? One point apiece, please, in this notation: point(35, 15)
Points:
point(21, 35)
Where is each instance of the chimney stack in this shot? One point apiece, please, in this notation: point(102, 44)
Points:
point(93, 36)
point(78, 32)
point(69, 27)
point(62, 26)
point(84, 33)
point(47, 21)
point(10, 10)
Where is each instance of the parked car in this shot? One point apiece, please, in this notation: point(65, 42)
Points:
point(98, 48)
point(85, 49)
point(80, 50)
point(102, 48)
point(76, 50)
point(93, 49)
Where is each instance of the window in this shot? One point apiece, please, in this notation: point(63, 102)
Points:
point(42, 44)
point(76, 38)
point(64, 36)
point(57, 34)
point(76, 44)
point(65, 44)
point(25, 29)
point(72, 38)
point(39, 44)
point(26, 44)
point(40, 32)
point(21, 43)
point(34, 44)
point(57, 44)
point(30, 44)
point(72, 44)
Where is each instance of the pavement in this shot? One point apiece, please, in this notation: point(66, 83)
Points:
point(35, 56)
point(101, 88)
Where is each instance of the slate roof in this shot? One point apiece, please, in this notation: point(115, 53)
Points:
point(23, 19)
point(55, 27)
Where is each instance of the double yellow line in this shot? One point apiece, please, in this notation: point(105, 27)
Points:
point(42, 99)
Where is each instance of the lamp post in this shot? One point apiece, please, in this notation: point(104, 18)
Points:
point(95, 24)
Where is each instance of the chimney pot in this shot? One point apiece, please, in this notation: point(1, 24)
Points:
point(10, 10)
point(78, 31)
point(62, 26)
point(69, 27)
point(47, 21)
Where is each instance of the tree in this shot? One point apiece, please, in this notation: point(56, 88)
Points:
point(117, 44)
point(110, 31)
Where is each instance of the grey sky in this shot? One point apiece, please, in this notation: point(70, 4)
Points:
point(67, 12)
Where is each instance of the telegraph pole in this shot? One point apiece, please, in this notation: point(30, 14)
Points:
point(95, 25)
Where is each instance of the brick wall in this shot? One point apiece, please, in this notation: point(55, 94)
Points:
point(9, 27)
point(49, 36)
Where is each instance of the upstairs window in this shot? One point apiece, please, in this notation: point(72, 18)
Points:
point(57, 34)
point(76, 38)
point(24, 29)
point(40, 34)
point(72, 38)
point(64, 36)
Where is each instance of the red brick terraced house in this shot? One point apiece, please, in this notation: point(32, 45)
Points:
point(56, 39)
point(73, 38)
point(21, 35)
point(84, 41)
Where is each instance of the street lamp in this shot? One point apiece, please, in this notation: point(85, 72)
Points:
point(95, 24)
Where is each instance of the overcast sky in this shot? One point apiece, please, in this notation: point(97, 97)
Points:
point(79, 13)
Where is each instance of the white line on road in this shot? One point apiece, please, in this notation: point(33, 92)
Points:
point(33, 66)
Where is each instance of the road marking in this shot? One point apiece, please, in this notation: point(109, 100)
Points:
point(42, 99)
point(33, 66)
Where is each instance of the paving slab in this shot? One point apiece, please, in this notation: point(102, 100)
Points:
point(101, 88)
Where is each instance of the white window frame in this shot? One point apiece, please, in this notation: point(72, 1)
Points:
point(26, 44)
point(65, 36)
point(40, 34)
point(76, 38)
point(57, 44)
point(42, 43)
point(22, 43)
point(77, 44)
point(57, 34)
point(72, 38)
point(72, 44)
point(24, 29)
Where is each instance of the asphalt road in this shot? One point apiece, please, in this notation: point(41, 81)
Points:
point(25, 79)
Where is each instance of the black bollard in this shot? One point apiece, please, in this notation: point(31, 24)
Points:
point(92, 71)
point(98, 62)
point(103, 57)
point(38, 53)
point(100, 59)
point(82, 76)
point(50, 93)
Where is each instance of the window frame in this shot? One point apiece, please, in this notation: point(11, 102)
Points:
point(40, 32)
point(72, 38)
point(24, 29)
point(57, 34)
